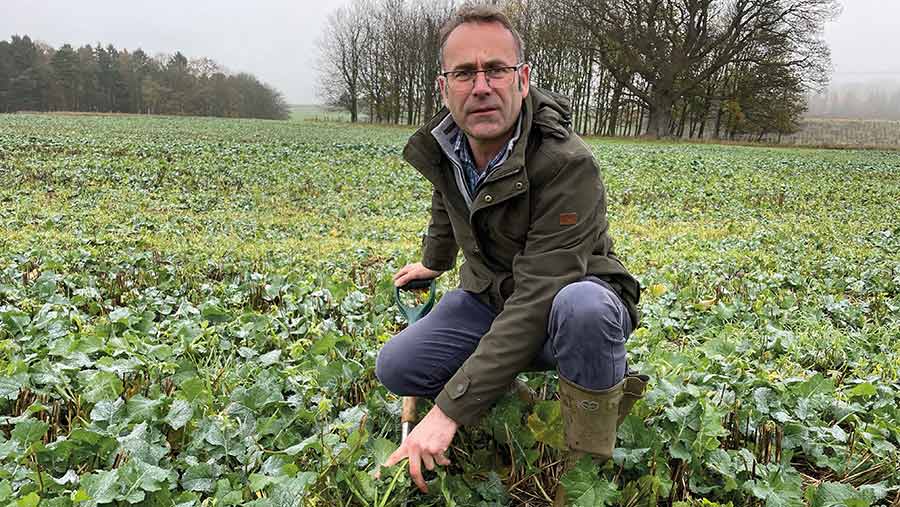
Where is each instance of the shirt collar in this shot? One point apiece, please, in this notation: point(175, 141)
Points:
point(452, 141)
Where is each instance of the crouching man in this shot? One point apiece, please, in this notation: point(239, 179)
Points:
point(540, 287)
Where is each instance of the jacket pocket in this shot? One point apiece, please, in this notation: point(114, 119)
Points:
point(470, 281)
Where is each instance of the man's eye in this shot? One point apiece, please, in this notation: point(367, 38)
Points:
point(464, 75)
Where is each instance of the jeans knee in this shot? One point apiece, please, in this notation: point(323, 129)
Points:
point(388, 368)
point(588, 332)
point(398, 370)
point(589, 305)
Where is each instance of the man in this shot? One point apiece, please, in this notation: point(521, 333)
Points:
point(541, 288)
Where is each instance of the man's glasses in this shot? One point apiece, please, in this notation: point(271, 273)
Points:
point(495, 76)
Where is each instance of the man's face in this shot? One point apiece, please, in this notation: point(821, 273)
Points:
point(484, 110)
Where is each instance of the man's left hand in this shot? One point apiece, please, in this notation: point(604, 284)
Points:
point(426, 443)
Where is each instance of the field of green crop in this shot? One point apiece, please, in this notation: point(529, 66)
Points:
point(190, 311)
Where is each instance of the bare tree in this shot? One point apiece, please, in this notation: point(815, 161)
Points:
point(342, 47)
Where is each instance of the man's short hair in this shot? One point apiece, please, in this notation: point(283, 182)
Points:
point(479, 13)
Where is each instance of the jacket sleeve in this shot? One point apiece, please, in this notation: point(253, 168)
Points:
point(439, 245)
point(555, 255)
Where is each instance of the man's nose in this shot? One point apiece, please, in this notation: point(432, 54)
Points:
point(480, 86)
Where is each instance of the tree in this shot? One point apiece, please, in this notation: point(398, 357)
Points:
point(675, 46)
point(65, 73)
point(34, 76)
point(341, 48)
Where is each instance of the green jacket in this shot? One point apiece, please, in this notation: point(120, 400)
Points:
point(537, 224)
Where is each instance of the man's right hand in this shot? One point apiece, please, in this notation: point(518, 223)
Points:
point(412, 272)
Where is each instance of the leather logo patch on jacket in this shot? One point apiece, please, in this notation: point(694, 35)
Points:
point(568, 218)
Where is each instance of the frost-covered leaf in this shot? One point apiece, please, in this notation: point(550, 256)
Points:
point(180, 412)
point(201, 477)
point(29, 431)
point(833, 494)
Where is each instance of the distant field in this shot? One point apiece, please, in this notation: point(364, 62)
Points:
point(317, 112)
point(190, 311)
point(847, 133)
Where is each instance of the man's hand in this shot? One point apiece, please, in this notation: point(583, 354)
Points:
point(412, 272)
point(427, 444)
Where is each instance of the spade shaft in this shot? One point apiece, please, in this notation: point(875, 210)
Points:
point(412, 314)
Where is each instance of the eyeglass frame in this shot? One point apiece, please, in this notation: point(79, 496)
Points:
point(515, 68)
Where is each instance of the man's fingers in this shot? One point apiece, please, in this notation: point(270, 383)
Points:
point(403, 276)
point(415, 471)
point(397, 455)
point(442, 460)
point(428, 459)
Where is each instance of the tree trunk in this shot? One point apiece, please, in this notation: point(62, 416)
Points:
point(660, 115)
point(354, 105)
point(684, 116)
point(409, 103)
point(614, 110)
point(719, 113)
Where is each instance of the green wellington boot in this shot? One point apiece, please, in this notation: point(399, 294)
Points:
point(591, 417)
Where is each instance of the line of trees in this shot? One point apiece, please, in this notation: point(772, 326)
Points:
point(661, 68)
point(37, 77)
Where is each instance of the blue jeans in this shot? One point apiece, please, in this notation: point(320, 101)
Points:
point(585, 340)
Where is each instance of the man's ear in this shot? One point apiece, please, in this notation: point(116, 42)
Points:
point(524, 79)
point(442, 88)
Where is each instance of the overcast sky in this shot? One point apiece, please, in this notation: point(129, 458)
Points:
point(275, 39)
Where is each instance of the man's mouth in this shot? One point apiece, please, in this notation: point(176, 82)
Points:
point(483, 110)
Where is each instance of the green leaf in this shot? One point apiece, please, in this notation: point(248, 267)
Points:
point(270, 357)
point(226, 495)
point(101, 486)
point(782, 487)
point(585, 489)
point(711, 428)
point(310, 441)
point(120, 314)
point(454, 490)
point(140, 475)
point(180, 412)
point(141, 408)
point(5, 491)
point(260, 482)
point(324, 344)
point(80, 496)
point(833, 494)
point(144, 444)
point(214, 312)
point(105, 410)
point(102, 385)
point(200, 477)
point(29, 500)
point(382, 448)
point(14, 319)
point(194, 388)
point(290, 491)
point(29, 431)
point(864, 390)
point(817, 385)
point(546, 424)
point(11, 385)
